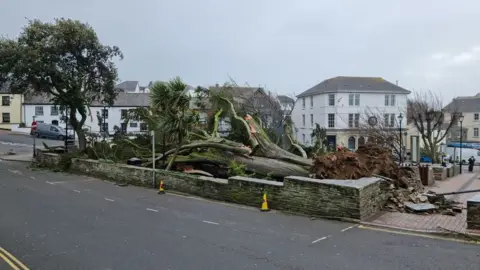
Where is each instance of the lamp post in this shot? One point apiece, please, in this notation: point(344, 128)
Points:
point(461, 140)
point(66, 129)
point(400, 118)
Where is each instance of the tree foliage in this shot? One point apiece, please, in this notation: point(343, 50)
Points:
point(63, 60)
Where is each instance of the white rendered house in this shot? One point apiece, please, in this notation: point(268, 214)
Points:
point(341, 104)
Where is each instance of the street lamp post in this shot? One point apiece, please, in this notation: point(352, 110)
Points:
point(66, 129)
point(400, 118)
point(461, 140)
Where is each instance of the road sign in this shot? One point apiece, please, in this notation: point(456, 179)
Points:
point(34, 125)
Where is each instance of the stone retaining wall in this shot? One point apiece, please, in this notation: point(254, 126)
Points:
point(439, 173)
point(356, 199)
point(473, 213)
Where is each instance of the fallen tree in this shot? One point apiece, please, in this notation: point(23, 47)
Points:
point(260, 156)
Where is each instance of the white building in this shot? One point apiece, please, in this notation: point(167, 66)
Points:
point(45, 112)
point(341, 105)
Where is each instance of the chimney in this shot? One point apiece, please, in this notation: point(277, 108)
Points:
point(396, 82)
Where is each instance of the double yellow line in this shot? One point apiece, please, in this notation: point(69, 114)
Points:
point(13, 262)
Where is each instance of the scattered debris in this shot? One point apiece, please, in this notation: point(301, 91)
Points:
point(420, 207)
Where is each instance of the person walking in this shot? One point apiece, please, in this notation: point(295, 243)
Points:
point(471, 163)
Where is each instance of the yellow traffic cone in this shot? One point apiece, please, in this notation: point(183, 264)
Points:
point(161, 189)
point(264, 203)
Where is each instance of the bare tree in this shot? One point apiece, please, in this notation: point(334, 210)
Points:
point(383, 129)
point(431, 119)
point(263, 104)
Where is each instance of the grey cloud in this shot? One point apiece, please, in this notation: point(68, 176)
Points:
point(288, 46)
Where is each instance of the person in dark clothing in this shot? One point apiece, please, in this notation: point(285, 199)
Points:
point(471, 162)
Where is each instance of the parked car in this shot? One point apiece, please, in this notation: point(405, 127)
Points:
point(50, 131)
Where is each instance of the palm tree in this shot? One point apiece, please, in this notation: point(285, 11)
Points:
point(170, 104)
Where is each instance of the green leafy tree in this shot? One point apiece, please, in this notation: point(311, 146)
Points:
point(169, 113)
point(63, 60)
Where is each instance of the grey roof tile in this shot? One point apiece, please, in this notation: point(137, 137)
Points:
point(342, 84)
point(129, 86)
point(285, 99)
point(464, 104)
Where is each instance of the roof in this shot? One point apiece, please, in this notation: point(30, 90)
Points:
point(129, 86)
point(342, 84)
point(239, 93)
point(285, 99)
point(464, 104)
point(122, 100)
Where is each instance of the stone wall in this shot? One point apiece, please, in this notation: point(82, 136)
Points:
point(439, 173)
point(453, 170)
point(357, 199)
point(473, 213)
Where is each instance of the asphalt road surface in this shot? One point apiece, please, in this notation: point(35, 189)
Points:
point(22, 143)
point(59, 221)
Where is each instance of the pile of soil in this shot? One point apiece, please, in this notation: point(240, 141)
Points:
point(368, 160)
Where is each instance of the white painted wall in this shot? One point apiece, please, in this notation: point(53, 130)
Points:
point(114, 117)
point(320, 109)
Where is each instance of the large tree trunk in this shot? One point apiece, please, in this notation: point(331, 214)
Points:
point(258, 165)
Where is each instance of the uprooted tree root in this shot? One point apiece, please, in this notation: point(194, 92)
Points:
point(367, 161)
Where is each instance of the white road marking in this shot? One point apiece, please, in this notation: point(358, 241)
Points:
point(210, 222)
point(77, 191)
point(320, 239)
point(88, 190)
point(152, 210)
point(348, 228)
point(110, 200)
point(32, 177)
point(51, 183)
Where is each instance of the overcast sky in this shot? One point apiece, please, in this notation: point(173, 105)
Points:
point(287, 46)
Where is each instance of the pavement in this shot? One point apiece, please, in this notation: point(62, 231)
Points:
point(61, 221)
point(438, 222)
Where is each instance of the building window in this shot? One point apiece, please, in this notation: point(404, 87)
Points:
point(124, 114)
point(5, 100)
point(311, 101)
point(55, 122)
point(123, 127)
point(38, 110)
point(54, 110)
point(475, 132)
point(104, 127)
point(143, 127)
point(392, 100)
point(352, 143)
point(303, 103)
point(331, 120)
point(5, 117)
point(354, 99)
point(357, 120)
point(331, 99)
point(476, 116)
point(311, 120)
point(105, 113)
point(303, 120)
point(387, 100)
point(353, 120)
point(389, 120)
point(133, 125)
point(386, 120)
point(303, 138)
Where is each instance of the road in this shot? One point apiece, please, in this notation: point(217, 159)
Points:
point(59, 221)
point(22, 143)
